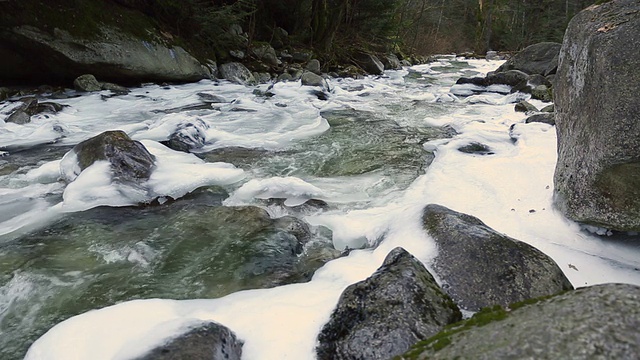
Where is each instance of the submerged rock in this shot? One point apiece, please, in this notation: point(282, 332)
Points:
point(598, 322)
point(525, 106)
point(129, 159)
point(541, 58)
point(480, 267)
point(382, 316)
point(476, 148)
point(209, 341)
point(597, 178)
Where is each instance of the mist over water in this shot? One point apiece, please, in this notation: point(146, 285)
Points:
point(156, 258)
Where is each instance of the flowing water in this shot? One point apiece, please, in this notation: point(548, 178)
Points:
point(185, 247)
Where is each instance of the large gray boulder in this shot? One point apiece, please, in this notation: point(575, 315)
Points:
point(310, 79)
point(597, 179)
point(370, 63)
point(599, 322)
point(480, 267)
point(209, 341)
point(31, 53)
point(385, 314)
point(130, 160)
point(541, 58)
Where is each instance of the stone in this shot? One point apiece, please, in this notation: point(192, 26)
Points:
point(546, 118)
point(86, 82)
point(208, 341)
point(541, 58)
point(301, 57)
point(597, 322)
point(130, 160)
point(211, 98)
point(114, 88)
point(266, 54)
point(543, 93)
point(597, 178)
point(391, 62)
point(19, 117)
point(284, 77)
point(509, 77)
point(314, 66)
point(311, 79)
point(549, 108)
point(108, 53)
point(479, 267)
point(492, 55)
point(384, 315)
point(525, 106)
point(188, 136)
point(370, 63)
point(476, 148)
point(237, 73)
point(238, 54)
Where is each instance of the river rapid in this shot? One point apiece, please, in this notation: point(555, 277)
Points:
point(92, 269)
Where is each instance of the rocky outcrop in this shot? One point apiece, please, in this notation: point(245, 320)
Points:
point(385, 314)
point(599, 322)
point(109, 54)
point(209, 341)
point(130, 160)
point(480, 267)
point(541, 58)
point(597, 179)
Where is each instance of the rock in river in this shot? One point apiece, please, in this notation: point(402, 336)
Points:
point(382, 316)
point(480, 267)
point(597, 179)
point(598, 322)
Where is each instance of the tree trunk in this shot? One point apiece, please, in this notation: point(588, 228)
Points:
point(326, 17)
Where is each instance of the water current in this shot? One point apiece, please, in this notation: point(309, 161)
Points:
point(369, 154)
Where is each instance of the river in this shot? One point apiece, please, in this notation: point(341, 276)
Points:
point(375, 151)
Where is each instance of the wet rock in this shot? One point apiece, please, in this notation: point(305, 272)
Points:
point(391, 62)
point(130, 160)
point(87, 83)
point(384, 315)
point(311, 79)
point(548, 109)
point(509, 77)
point(547, 118)
point(211, 98)
point(188, 136)
point(525, 106)
point(114, 88)
point(541, 58)
point(370, 63)
point(597, 322)
point(237, 73)
point(476, 148)
point(480, 267)
point(209, 341)
point(29, 106)
point(314, 66)
point(285, 77)
point(597, 178)
point(18, 117)
point(543, 93)
point(301, 57)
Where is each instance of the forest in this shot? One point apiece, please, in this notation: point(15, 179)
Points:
point(413, 26)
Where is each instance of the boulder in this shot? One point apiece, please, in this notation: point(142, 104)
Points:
point(541, 58)
point(130, 160)
point(29, 106)
point(546, 117)
point(311, 79)
point(236, 73)
point(19, 117)
point(542, 92)
point(314, 66)
point(509, 77)
point(209, 341)
point(114, 88)
point(391, 62)
point(476, 148)
point(266, 54)
point(188, 136)
point(548, 109)
point(86, 82)
point(597, 178)
point(598, 322)
point(370, 63)
point(384, 315)
point(524, 106)
point(34, 54)
point(480, 267)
